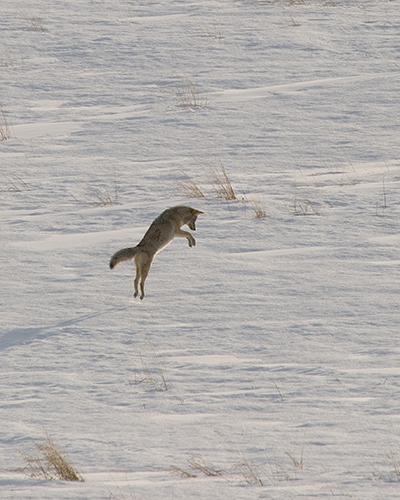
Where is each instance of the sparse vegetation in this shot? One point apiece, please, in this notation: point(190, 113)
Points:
point(5, 131)
point(32, 21)
point(188, 94)
point(181, 472)
point(221, 182)
point(383, 206)
point(293, 21)
point(190, 189)
point(258, 209)
point(121, 495)
point(9, 61)
point(298, 462)
point(100, 195)
point(13, 183)
point(153, 376)
point(279, 391)
point(197, 465)
point(248, 471)
point(394, 463)
point(210, 30)
point(287, 469)
point(221, 187)
point(303, 206)
point(51, 463)
point(322, 3)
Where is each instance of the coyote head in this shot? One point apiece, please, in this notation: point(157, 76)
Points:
point(192, 218)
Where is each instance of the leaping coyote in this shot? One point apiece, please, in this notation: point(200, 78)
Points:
point(162, 231)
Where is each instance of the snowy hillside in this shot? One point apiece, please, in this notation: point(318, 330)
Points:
point(264, 362)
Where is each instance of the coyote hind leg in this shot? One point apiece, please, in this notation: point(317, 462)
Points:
point(136, 282)
point(144, 273)
point(143, 263)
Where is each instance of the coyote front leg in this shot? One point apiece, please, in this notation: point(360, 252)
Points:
point(185, 234)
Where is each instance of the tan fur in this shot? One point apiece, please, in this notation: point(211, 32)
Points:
point(162, 231)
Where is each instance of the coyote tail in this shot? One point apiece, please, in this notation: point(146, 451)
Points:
point(122, 255)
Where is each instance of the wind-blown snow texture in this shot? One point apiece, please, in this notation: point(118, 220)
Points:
point(278, 338)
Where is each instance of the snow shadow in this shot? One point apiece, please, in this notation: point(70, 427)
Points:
point(20, 336)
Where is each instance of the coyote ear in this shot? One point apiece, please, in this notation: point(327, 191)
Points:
point(196, 212)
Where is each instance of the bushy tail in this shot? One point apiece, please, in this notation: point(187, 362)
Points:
point(124, 254)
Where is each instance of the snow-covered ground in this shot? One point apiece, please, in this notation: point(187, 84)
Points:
point(265, 361)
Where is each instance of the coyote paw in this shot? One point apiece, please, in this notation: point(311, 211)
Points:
point(192, 241)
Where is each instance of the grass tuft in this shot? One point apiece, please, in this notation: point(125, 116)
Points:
point(303, 206)
point(394, 463)
point(5, 132)
point(190, 189)
point(248, 470)
point(197, 463)
point(260, 213)
point(210, 31)
point(188, 94)
point(181, 472)
point(105, 193)
point(13, 183)
point(51, 463)
point(222, 184)
point(154, 377)
point(33, 22)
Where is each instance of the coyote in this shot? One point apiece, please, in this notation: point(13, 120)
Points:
point(161, 232)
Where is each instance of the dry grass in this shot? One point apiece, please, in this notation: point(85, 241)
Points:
point(221, 186)
point(8, 56)
point(32, 21)
point(181, 472)
point(298, 463)
point(260, 213)
point(120, 495)
point(188, 94)
point(103, 196)
point(279, 391)
point(321, 3)
point(197, 465)
point(248, 471)
point(13, 183)
point(153, 376)
point(394, 463)
point(382, 206)
point(190, 189)
point(221, 183)
point(303, 206)
point(99, 193)
point(218, 184)
point(51, 463)
point(5, 131)
point(210, 30)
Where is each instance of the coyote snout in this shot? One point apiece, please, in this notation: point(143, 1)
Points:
point(162, 231)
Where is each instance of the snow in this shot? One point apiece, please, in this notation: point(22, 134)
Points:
point(268, 353)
